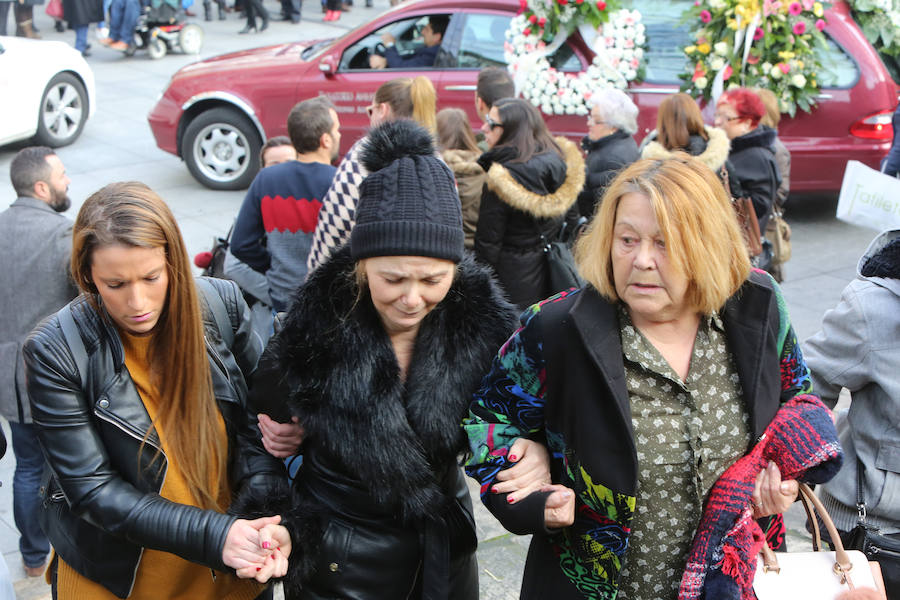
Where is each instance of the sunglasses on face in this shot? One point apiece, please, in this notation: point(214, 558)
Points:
point(492, 123)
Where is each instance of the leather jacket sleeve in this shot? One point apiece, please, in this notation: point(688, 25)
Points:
point(78, 457)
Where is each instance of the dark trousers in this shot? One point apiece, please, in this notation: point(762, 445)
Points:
point(254, 9)
point(291, 9)
point(33, 544)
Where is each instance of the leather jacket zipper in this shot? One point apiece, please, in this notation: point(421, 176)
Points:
point(216, 358)
point(133, 432)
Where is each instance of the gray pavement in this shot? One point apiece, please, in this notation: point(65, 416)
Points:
point(117, 145)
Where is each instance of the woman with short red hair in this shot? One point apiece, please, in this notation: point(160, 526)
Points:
point(739, 112)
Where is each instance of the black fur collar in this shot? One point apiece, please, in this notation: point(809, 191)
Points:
point(341, 377)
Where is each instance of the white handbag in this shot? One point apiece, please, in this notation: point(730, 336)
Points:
point(820, 574)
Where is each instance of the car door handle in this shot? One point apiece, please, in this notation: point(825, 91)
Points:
point(460, 88)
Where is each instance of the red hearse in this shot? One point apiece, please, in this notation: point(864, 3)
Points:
point(216, 113)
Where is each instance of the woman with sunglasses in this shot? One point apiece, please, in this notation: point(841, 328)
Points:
point(533, 181)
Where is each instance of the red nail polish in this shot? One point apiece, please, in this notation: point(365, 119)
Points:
point(512, 457)
point(265, 545)
point(494, 490)
point(278, 548)
point(258, 568)
point(510, 499)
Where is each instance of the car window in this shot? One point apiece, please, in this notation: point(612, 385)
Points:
point(482, 45)
point(666, 36)
point(406, 32)
point(838, 70)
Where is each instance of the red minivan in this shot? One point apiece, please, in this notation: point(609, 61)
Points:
point(216, 113)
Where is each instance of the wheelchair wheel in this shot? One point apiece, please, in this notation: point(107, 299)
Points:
point(156, 49)
point(190, 38)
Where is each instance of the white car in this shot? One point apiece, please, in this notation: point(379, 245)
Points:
point(46, 92)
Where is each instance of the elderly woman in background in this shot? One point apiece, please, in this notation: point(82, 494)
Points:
point(647, 385)
point(460, 151)
point(739, 113)
point(609, 144)
point(680, 128)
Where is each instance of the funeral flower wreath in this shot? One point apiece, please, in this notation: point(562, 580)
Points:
point(756, 43)
point(616, 35)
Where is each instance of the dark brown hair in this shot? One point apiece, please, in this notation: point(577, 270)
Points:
point(308, 121)
point(524, 129)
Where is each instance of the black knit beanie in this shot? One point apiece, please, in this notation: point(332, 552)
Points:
point(408, 205)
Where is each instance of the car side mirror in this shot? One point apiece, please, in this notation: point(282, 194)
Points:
point(327, 65)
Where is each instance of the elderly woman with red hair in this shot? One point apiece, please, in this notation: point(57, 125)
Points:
point(739, 112)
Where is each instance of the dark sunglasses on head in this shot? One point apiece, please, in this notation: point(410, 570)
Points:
point(492, 123)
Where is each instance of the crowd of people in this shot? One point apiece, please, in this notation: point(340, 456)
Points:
point(392, 319)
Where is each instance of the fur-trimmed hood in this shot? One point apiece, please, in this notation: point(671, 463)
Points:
point(507, 181)
point(714, 156)
point(334, 364)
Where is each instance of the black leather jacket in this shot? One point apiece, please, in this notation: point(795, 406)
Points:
point(100, 504)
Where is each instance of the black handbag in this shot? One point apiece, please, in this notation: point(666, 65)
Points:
point(561, 263)
point(868, 539)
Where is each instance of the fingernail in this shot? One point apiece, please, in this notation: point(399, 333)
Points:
point(512, 457)
point(266, 545)
point(785, 488)
point(494, 490)
point(566, 494)
point(510, 499)
point(258, 569)
point(278, 548)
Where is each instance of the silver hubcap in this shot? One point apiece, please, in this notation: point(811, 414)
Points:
point(221, 152)
point(62, 111)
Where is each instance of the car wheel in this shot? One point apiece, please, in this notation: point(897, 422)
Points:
point(221, 149)
point(190, 38)
point(64, 109)
point(156, 49)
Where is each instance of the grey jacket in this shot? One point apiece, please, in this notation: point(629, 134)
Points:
point(35, 243)
point(858, 348)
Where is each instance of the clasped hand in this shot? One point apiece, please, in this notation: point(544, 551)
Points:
point(257, 549)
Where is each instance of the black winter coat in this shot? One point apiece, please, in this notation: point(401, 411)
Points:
point(756, 170)
point(605, 158)
point(380, 491)
point(101, 505)
point(82, 12)
point(521, 202)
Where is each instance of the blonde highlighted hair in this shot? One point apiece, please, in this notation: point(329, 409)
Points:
point(130, 214)
point(695, 218)
point(410, 99)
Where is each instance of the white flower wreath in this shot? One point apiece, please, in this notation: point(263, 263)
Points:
point(619, 45)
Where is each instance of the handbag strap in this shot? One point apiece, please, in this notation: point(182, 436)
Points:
point(73, 340)
point(842, 563)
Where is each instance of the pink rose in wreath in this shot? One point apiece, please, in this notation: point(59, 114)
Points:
point(727, 73)
point(758, 34)
point(799, 28)
point(785, 68)
point(795, 8)
point(705, 16)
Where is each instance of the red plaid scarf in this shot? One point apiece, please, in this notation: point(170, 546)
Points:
point(803, 442)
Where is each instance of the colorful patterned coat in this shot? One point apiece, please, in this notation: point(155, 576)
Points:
point(561, 378)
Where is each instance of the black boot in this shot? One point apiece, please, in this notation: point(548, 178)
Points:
point(248, 28)
point(207, 10)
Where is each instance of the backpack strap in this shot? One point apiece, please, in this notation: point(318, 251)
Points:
point(73, 340)
point(217, 308)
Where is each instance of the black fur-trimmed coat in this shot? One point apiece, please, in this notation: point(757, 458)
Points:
point(334, 366)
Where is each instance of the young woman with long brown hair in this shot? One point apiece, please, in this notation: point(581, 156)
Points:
point(139, 400)
point(460, 151)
